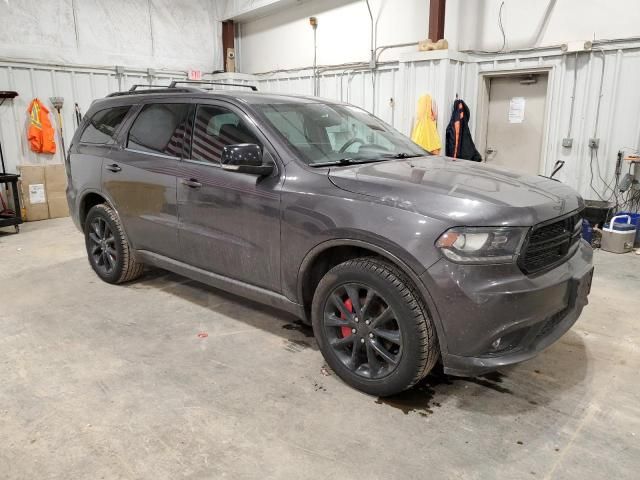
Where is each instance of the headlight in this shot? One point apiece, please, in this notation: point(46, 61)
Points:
point(482, 244)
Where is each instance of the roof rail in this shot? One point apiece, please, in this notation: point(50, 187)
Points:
point(141, 85)
point(157, 90)
point(206, 82)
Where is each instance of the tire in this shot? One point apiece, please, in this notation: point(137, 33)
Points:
point(108, 249)
point(351, 308)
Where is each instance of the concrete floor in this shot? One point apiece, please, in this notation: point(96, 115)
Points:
point(101, 381)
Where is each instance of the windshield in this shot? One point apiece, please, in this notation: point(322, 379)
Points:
point(324, 134)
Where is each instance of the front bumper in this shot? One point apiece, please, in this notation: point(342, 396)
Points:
point(494, 315)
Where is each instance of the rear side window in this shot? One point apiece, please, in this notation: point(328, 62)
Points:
point(216, 128)
point(103, 125)
point(160, 128)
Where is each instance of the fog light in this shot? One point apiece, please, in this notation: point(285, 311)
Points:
point(496, 344)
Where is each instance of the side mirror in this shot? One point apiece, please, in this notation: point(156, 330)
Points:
point(245, 158)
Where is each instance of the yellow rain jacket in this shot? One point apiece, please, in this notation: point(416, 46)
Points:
point(425, 132)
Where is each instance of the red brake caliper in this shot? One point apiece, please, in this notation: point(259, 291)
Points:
point(346, 331)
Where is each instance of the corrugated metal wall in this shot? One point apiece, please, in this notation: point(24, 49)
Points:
point(618, 120)
point(75, 84)
point(445, 74)
point(397, 87)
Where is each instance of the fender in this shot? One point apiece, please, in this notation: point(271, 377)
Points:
point(88, 191)
point(413, 276)
point(109, 201)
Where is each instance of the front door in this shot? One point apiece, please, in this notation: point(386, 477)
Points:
point(229, 221)
point(516, 122)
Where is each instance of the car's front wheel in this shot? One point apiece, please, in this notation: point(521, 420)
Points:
point(373, 327)
point(108, 249)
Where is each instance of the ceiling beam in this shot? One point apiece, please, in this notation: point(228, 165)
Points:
point(436, 19)
point(228, 41)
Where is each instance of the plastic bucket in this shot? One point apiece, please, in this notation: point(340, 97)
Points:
point(635, 220)
point(596, 211)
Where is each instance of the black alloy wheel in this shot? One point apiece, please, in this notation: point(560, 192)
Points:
point(102, 245)
point(373, 327)
point(362, 330)
point(108, 249)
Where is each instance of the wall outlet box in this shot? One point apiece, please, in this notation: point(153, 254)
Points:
point(567, 142)
point(594, 143)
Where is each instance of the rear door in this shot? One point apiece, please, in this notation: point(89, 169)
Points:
point(229, 221)
point(140, 175)
point(94, 144)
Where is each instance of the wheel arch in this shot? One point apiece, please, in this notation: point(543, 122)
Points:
point(332, 252)
point(88, 200)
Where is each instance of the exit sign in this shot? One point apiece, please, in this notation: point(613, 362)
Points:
point(194, 75)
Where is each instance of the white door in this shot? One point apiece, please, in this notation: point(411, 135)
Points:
point(515, 122)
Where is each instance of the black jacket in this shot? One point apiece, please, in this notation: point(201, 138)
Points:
point(459, 142)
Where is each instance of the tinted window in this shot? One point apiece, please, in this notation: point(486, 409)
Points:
point(103, 125)
point(216, 128)
point(159, 128)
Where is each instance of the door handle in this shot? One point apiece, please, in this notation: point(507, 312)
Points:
point(490, 150)
point(192, 182)
point(114, 167)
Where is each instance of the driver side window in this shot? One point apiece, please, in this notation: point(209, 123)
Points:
point(215, 128)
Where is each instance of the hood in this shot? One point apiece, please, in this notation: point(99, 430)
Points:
point(459, 192)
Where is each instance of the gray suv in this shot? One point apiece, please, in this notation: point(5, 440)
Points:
point(397, 258)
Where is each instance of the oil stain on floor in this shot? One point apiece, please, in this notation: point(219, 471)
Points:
point(420, 398)
point(298, 326)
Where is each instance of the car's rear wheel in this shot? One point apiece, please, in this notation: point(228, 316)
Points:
point(108, 249)
point(373, 327)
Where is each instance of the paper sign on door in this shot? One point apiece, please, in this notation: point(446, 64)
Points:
point(516, 109)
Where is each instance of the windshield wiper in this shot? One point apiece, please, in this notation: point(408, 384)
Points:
point(354, 161)
point(401, 155)
point(345, 161)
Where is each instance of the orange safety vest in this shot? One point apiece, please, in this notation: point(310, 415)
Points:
point(40, 133)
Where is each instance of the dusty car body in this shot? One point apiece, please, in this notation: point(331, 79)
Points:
point(274, 235)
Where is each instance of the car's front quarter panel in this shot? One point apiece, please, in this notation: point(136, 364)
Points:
point(316, 212)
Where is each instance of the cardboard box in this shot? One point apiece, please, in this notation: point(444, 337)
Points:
point(56, 186)
point(58, 207)
point(34, 195)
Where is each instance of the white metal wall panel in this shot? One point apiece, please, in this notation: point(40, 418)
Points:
point(618, 126)
point(443, 78)
point(351, 86)
point(75, 85)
